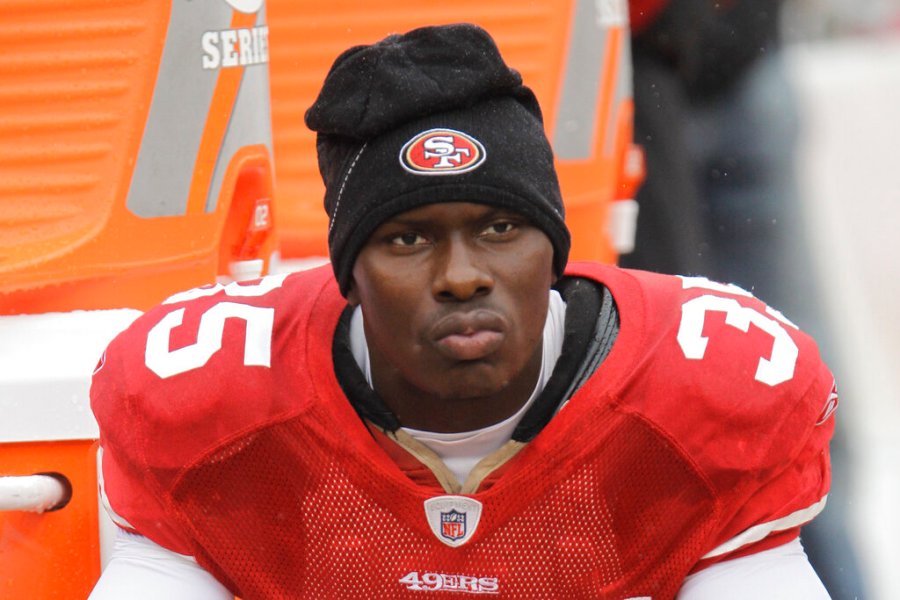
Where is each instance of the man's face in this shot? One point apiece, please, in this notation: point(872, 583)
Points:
point(454, 299)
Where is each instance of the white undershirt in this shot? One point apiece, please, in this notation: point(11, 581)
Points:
point(462, 451)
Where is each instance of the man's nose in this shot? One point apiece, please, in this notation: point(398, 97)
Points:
point(461, 273)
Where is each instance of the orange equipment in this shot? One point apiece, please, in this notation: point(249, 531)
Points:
point(134, 136)
point(574, 54)
point(135, 161)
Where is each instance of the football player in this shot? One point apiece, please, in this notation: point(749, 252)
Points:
point(451, 407)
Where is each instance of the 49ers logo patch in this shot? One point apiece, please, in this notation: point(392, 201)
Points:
point(442, 152)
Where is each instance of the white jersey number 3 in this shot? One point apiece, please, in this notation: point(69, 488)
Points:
point(777, 368)
point(257, 340)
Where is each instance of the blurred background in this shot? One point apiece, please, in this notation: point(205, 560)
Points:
point(843, 59)
point(771, 134)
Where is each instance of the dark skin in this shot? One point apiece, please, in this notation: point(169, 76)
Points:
point(454, 299)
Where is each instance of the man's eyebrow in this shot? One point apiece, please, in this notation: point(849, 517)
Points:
point(406, 221)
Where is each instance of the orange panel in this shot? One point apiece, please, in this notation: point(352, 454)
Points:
point(78, 89)
point(55, 554)
point(73, 102)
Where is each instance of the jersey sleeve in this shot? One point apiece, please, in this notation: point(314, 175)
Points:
point(747, 397)
point(206, 367)
point(783, 494)
point(154, 396)
point(130, 493)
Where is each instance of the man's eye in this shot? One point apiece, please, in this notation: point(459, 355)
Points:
point(407, 239)
point(500, 228)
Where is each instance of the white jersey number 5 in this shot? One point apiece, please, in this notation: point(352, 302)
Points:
point(777, 368)
point(257, 339)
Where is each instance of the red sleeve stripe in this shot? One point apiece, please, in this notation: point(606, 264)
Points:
point(761, 531)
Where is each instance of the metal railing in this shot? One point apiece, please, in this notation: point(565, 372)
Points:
point(34, 493)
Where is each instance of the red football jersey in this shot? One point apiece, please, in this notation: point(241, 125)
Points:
point(225, 434)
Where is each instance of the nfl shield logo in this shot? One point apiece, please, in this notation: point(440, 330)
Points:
point(453, 519)
point(453, 525)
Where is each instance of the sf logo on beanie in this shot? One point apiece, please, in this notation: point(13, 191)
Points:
point(441, 152)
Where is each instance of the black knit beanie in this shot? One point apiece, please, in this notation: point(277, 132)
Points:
point(433, 115)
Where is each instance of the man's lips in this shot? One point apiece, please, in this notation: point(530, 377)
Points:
point(469, 336)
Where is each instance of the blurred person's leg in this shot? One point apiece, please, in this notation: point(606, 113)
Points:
point(670, 235)
point(742, 145)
